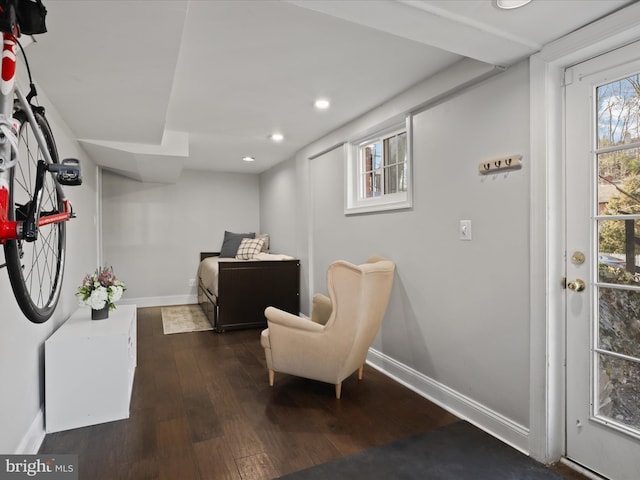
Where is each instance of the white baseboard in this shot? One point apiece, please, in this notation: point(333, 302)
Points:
point(460, 405)
point(30, 443)
point(160, 301)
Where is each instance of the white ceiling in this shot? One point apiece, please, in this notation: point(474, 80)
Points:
point(154, 87)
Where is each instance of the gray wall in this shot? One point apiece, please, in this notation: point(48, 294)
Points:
point(278, 206)
point(22, 342)
point(153, 233)
point(459, 312)
point(282, 204)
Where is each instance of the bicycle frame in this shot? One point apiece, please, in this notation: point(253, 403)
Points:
point(12, 229)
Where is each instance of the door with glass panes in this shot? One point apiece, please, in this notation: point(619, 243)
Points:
point(603, 263)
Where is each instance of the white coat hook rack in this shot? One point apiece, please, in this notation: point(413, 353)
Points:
point(504, 163)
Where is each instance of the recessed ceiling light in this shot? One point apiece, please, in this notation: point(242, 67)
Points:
point(277, 137)
point(511, 4)
point(249, 159)
point(322, 104)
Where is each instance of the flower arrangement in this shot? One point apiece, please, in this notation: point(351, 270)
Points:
point(101, 288)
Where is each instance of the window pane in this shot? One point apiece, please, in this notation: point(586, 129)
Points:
point(619, 182)
point(370, 184)
point(619, 390)
point(377, 155)
point(618, 251)
point(377, 184)
point(391, 150)
point(402, 174)
point(365, 187)
point(402, 148)
point(618, 112)
point(371, 157)
point(391, 179)
point(395, 161)
point(619, 321)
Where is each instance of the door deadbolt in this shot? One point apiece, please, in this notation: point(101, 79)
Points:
point(578, 258)
point(576, 285)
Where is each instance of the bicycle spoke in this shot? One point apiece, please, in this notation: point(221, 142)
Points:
point(22, 182)
point(43, 262)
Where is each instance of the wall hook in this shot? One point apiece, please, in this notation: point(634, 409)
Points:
point(504, 163)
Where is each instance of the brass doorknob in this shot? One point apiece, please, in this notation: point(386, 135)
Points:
point(577, 285)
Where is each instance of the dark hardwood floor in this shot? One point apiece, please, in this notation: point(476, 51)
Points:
point(202, 409)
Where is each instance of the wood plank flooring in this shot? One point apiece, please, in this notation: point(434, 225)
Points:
point(202, 409)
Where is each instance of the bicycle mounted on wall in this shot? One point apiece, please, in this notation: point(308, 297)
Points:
point(33, 207)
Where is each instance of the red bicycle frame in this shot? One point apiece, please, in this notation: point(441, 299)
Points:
point(9, 128)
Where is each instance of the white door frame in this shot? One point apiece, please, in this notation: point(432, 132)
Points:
point(547, 401)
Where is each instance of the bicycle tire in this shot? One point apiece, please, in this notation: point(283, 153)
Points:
point(35, 268)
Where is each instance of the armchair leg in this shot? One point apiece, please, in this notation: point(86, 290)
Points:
point(360, 372)
point(338, 390)
point(271, 377)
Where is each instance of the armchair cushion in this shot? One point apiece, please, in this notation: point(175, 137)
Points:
point(321, 309)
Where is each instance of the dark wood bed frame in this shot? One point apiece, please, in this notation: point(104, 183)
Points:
point(245, 289)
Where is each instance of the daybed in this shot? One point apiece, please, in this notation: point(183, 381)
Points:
point(234, 292)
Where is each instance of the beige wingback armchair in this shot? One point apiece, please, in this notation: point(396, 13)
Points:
point(333, 343)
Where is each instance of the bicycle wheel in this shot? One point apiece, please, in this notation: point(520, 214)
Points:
point(35, 268)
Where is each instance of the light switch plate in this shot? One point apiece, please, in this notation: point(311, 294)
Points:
point(465, 229)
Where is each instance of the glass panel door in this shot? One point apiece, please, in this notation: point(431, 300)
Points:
point(602, 244)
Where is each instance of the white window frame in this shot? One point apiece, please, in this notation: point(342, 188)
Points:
point(355, 202)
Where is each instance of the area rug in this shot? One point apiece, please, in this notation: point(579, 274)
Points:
point(184, 318)
point(458, 451)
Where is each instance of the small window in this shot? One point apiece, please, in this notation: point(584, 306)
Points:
point(378, 168)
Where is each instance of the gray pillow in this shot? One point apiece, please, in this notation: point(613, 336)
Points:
point(231, 243)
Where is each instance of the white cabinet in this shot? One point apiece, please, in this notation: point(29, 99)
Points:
point(89, 369)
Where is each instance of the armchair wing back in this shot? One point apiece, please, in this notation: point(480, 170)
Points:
point(333, 344)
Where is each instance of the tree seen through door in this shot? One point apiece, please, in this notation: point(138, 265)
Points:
point(617, 339)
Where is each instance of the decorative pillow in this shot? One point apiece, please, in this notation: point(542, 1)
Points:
point(231, 243)
point(265, 237)
point(249, 248)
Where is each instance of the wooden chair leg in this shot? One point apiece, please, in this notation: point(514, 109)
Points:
point(271, 377)
point(338, 390)
point(360, 372)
